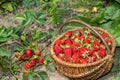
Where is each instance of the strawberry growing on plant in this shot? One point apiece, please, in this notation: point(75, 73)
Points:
point(27, 66)
point(28, 53)
point(32, 62)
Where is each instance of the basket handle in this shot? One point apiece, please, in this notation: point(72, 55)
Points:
point(88, 26)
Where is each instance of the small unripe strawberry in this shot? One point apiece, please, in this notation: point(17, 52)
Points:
point(41, 61)
point(29, 53)
point(27, 66)
point(38, 53)
point(32, 62)
point(17, 55)
point(22, 57)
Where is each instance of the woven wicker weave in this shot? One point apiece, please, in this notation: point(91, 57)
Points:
point(90, 71)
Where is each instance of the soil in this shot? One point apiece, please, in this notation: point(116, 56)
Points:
point(9, 20)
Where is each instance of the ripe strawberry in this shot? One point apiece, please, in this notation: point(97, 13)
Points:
point(84, 60)
point(74, 50)
point(82, 49)
point(104, 35)
point(90, 52)
point(27, 66)
point(61, 56)
point(69, 33)
point(81, 37)
point(102, 53)
point(68, 52)
point(67, 59)
point(40, 60)
point(96, 42)
point(32, 62)
point(58, 49)
point(29, 53)
point(38, 53)
point(68, 41)
point(58, 42)
point(75, 60)
point(76, 55)
point(95, 48)
point(87, 40)
point(22, 57)
point(109, 42)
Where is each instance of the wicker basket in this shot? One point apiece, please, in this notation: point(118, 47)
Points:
point(90, 71)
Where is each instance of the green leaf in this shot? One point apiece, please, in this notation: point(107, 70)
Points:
point(4, 39)
point(2, 29)
point(116, 76)
point(2, 1)
point(51, 66)
point(43, 35)
point(4, 52)
point(15, 36)
point(26, 22)
point(42, 15)
point(98, 17)
point(42, 74)
point(112, 12)
point(53, 33)
point(7, 6)
point(28, 76)
point(107, 25)
point(40, 21)
point(48, 57)
point(118, 1)
point(21, 17)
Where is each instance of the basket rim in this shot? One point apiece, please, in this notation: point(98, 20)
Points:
point(89, 64)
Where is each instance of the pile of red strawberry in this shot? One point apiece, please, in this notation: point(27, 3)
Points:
point(30, 58)
point(81, 47)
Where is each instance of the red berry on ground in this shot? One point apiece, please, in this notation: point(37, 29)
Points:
point(40, 60)
point(29, 53)
point(27, 66)
point(32, 62)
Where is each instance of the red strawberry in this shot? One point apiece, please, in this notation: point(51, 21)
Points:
point(102, 52)
point(32, 62)
point(68, 41)
point(84, 60)
point(74, 50)
point(22, 57)
point(104, 35)
point(40, 60)
point(38, 53)
point(89, 34)
point(58, 42)
point(69, 33)
point(109, 42)
point(95, 48)
point(87, 40)
point(29, 53)
point(27, 66)
point(96, 42)
point(80, 37)
point(67, 59)
point(61, 56)
point(82, 49)
point(90, 52)
point(68, 52)
point(75, 60)
point(58, 49)
point(76, 55)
